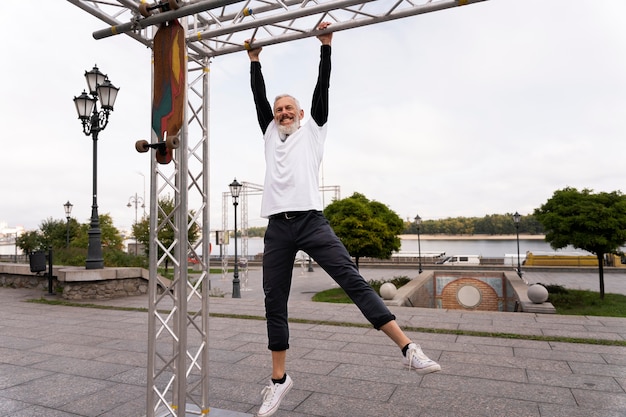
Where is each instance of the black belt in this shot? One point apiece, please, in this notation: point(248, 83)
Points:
point(289, 215)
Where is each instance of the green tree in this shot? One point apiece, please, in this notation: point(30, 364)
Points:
point(366, 228)
point(30, 241)
point(593, 222)
point(53, 232)
point(110, 236)
point(141, 230)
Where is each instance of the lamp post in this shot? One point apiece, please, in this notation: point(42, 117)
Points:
point(93, 121)
point(516, 219)
point(418, 222)
point(68, 211)
point(136, 201)
point(235, 189)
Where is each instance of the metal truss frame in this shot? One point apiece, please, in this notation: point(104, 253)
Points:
point(178, 337)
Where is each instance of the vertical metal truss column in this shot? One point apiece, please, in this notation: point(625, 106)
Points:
point(178, 310)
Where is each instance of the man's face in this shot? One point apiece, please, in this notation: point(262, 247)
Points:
point(286, 115)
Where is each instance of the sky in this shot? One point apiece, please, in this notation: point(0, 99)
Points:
point(482, 109)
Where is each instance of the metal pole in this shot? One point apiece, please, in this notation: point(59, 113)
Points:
point(67, 235)
point(519, 266)
point(236, 288)
point(94, 250)
point(419, 250)
point(50, 289)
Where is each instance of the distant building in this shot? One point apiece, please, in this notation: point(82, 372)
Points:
point(8, 238)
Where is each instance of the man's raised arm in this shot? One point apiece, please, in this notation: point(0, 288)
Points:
point(264, 111)
point(319, 105)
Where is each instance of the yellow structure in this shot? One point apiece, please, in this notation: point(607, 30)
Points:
point(572, 259)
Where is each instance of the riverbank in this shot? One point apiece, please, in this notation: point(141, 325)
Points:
point(472, 237)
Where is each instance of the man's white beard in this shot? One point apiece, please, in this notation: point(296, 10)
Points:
point(290, 129)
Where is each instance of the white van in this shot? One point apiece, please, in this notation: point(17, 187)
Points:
point(462, 260)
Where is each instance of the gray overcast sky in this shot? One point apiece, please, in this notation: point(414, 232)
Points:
point(475, 110)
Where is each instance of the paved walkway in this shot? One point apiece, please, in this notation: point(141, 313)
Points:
point(61, 361)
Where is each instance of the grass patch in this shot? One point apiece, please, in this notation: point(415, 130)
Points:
point(334, 295)
point(586, 303)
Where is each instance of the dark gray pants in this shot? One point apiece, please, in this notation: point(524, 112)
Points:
point(311, 233)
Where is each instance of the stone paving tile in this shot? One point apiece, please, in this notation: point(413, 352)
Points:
point(581, 381)
point(528, 331)
point(437, 403)
point(72, 351)
point(585, 334)
point(551, 410)
point(513, 390)
point(617, 371)
point(500, 351)
point(512, 362)
point(81, 367)
point(494, 371)
point(583, 347)
point(38, 411)
point(11, 375)
point(321, 404)
point(54, 390)
point(136, 407)
point(562, 355)
point(99, 402)
point(600, 400)
point(499, 341)
point(22, 357)
point(613, 359)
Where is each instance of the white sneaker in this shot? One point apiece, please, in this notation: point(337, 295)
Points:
point(415, 358)
point(272, 396)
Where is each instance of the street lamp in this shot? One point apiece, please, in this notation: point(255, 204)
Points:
point(136, 201)
point(418, 222)
point(516, 219)
point(235, 189)
point(68, 211)
point(93, 121)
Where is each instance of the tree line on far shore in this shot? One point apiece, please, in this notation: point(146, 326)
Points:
point(491, 224)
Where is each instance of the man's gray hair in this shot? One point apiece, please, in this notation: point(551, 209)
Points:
point(278, 97)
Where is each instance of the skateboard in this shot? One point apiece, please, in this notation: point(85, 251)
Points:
point(169, 76)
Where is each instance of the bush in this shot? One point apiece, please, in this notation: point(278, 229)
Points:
point(555, 289)
point(397, 281)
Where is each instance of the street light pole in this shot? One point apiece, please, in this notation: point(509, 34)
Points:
point(516, 219)
point(94, 121)
point(418, 222)
point(68, 211)
point(135, 200)
point(235, 189)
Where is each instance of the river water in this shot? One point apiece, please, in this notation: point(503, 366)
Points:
point(488, 248)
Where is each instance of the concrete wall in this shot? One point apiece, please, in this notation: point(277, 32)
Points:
point(77, 283)
point(468, 290)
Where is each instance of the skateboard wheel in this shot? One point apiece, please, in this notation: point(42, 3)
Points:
point(143, 9)
point(175, 4)
point(172, 142)
point(142, 146)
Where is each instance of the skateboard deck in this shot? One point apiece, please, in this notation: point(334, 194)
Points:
point(169, 88)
